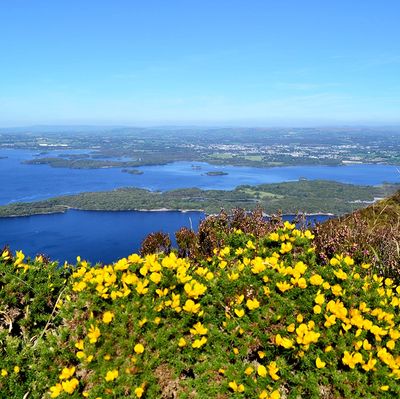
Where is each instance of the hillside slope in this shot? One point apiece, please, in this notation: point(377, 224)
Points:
point(371, 234)
point(256, 317)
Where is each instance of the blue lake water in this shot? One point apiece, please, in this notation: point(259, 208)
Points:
point(95, 236)
point(20, 182)
point(107, 236)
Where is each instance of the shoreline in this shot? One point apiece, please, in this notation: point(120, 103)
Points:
point(67, 208)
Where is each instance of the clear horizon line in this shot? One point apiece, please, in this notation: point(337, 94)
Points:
point(202, 125)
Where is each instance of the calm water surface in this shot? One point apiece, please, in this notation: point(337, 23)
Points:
point(20, 182)
point(95, 236)
point(107, 236)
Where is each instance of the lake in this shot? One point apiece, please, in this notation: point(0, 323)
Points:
point(94, 235)
point(20, 182)
point(107, 236)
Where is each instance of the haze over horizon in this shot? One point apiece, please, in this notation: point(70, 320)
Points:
point(226, 63)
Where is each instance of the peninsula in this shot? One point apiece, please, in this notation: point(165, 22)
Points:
point(309, 196)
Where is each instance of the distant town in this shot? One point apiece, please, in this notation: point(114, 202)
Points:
point(123, 147)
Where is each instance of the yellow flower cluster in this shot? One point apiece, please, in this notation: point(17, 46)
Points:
point(326, 314)
point(68, 384)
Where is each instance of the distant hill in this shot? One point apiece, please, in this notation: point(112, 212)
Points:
point(371, 233)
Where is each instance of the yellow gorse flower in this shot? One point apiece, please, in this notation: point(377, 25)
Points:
point(111, 375)
point(93, 334)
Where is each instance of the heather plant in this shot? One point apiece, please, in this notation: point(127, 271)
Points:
point(369, 235)
point(258, 317)
point(155, 243)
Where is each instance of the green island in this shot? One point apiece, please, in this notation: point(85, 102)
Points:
point(309, 196)
point(217, 173)
point(132, 171)
point(243, 308)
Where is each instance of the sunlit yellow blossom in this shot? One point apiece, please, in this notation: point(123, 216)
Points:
point(257, 265)
point(209, 276)
point(334, 262)
point(139, 392)
point(56, 390)
point(285, 342)
point(308, 234)
point(233, 276)
point(198, 329)
point(141, 287)
point(194, 289)
point(198, 343)
point(284, 286)
point(378, 332)
point(111, 375)
point(291, 327)
point(340, 274)
point(162, 293)
point(326, 285)
point(142, 322)
point(370, 365)
point(351, 359)
point(222, 264)
point(89, 358)
point(69, 386)
point(286, 247)
point(249, 370)
point(319, 363)
point(273, 370)
point(349, 261)
point(336, 290)
point(274, 236)
point(390, 344)
point(250, 245)
point(4, 373)
point(273, 395)
point(301, 283)
point(155, 277)
point(182, 342)
point(317, 309)
point(79, 286)
point(67, 373)
point(235, 387)
point(261, 371)
point(252, 304)
point(139, 348)
point(239, 251)
point(79, 344)
point(239, 312)
point(108, 317)
point(93, 334)
point(191, 307)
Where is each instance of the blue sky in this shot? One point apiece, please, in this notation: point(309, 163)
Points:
point(217, 62)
